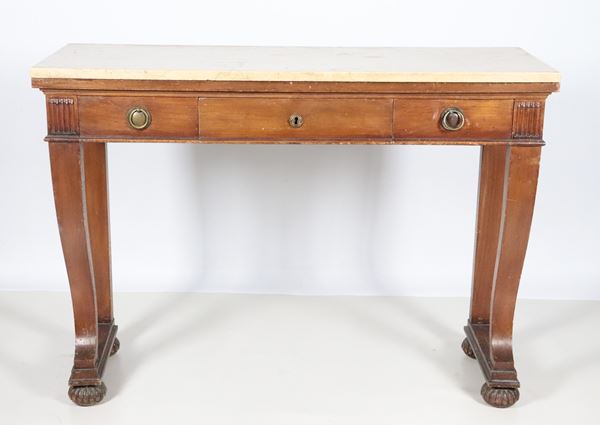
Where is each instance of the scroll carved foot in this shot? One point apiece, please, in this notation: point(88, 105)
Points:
point(115, 347)
point(87, 396)
point(499, 397)
point(466, 347)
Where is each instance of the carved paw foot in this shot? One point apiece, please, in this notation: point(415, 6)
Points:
point(87, 396)
point(115, 347)
point(466, 347)
point(499, 397)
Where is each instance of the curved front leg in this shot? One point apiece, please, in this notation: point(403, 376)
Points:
point(507, 195)
point(519, 197)
point(68, 180)
point(79, 185)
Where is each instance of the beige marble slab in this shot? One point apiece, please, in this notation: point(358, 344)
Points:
point(343, 64)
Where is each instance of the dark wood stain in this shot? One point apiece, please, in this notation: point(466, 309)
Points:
point(504, 119)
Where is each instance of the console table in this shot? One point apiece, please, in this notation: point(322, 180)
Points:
point(488, 97)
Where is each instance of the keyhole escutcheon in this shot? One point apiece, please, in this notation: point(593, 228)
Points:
point(295, 120)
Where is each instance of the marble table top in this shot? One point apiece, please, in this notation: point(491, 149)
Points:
point(333, 64)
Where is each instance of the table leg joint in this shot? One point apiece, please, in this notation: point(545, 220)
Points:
point(504, 376)
point(107, 333)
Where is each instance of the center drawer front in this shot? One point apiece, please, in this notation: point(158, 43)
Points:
point(268, 118)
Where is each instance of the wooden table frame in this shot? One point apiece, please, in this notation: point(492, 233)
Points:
point(504, 119)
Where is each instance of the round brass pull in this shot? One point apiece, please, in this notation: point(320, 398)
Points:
point(453, 119)
point(296, 120)
point(139, 118)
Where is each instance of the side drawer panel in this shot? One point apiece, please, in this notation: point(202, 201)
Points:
point(171, 117)
point(484, 119)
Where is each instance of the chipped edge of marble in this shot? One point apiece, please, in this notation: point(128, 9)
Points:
point(297, 76)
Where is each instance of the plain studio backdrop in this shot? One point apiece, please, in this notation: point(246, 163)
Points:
point(304, 219)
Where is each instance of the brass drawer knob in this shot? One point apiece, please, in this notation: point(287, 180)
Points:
point(453, 119)
point(296, 120)
point(139, 118)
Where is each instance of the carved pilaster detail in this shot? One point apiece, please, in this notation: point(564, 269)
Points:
point(62, 115)
point(528, 119)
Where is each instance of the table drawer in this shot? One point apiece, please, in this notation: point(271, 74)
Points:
point(167, 117)
point(483, 119)
point(294, 118)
